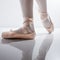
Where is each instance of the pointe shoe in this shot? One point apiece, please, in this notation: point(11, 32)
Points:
point(47, 23)
point(25, 32)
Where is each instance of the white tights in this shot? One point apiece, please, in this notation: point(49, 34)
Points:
point(27, 7)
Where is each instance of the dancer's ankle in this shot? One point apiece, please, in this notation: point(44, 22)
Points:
point(28, 22)
point(43, 15)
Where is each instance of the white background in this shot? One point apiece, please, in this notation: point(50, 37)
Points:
point(11, 14)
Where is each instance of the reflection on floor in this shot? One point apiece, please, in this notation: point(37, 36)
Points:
point(44, 47)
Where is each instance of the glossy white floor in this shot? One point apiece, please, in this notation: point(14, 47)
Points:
point(44, 47)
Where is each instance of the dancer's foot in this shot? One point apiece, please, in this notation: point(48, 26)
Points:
point(25, 32)
point(47, 23)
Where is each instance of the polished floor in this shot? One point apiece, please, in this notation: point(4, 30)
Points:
point(44, 47)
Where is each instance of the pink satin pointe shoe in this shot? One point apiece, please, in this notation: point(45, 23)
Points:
point(25, 32)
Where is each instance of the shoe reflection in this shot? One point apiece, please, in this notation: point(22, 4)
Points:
point(27, 46)
point(44, 48)
point(7, 41)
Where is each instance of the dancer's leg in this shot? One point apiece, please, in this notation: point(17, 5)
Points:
point(44, 15)
point(27, 8)
point(42, 8)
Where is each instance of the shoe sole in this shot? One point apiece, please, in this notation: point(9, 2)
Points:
point(20, 36)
